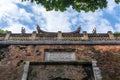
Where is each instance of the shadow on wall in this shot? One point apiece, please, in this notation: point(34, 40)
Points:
point(59, 78)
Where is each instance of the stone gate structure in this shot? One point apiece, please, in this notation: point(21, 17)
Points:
point(59, 55)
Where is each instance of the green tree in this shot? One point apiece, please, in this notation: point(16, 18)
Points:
point(116, 32)
point(3, 31)
point(78, 5)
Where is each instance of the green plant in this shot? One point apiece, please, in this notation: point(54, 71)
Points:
point(116, 32)
point(24, 62)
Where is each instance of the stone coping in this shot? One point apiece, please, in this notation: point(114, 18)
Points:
point(66, 42)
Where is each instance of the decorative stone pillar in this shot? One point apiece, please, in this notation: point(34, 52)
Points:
point(7, 35)
point(59, 36)
point(33, 35)
point(85, 35)
point(96, 71)
point(26, 69)
point(111, 36)
point(94, 31)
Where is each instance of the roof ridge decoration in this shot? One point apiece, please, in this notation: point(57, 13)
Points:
point(23, 30)
point(76, 31)
point(94, 31)
point(41, 31)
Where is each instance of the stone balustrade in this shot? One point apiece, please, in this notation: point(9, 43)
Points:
point(60, 36)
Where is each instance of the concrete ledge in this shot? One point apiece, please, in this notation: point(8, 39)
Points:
point(66, 42)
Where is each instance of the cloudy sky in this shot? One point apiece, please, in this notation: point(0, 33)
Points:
point(15, 14)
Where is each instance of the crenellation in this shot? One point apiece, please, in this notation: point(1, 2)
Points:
point(59, 35)
point(85, 35)
point(111, 36)
point(33, 36)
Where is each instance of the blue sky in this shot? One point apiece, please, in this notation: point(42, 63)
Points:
point(15, 14)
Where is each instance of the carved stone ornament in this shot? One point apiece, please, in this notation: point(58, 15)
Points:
point(94, 31)
point(23, 30)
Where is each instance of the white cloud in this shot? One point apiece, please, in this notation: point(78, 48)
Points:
point(55, 21)
point(117, 27)
point(9, 10)
point(52, 20)
point(12, 14)
point(60, 21)
point(104, 26)
point(25, 16)
point(16, 28)
point(111, 6)
point(91, 20)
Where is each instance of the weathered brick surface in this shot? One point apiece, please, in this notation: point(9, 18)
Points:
point(108, 56)
point(57, 72)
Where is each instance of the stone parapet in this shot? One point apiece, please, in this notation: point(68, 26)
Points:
point(68, 36)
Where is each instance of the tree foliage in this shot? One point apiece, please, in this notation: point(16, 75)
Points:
point(3, 31)
point(116, 32)
point(78, 5)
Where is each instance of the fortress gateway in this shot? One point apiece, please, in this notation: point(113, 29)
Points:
point(59, 55)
